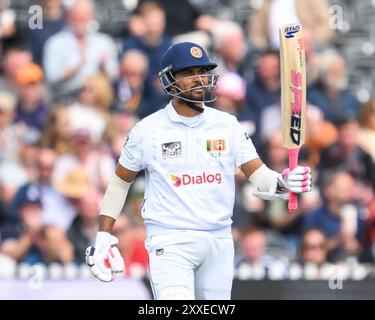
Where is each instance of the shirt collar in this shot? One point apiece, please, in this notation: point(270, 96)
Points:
point(175, 117)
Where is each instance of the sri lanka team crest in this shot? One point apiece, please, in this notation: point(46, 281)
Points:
point(216, 147)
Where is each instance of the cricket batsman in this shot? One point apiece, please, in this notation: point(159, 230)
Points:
point(190, 153)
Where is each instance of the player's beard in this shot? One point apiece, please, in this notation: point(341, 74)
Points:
point(190, 95)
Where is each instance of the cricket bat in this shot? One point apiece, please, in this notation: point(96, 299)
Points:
point(293, 95)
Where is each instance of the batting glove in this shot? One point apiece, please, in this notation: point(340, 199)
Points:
point(298, 180)
point(104, 259)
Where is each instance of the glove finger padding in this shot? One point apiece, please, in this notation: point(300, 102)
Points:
point(96, 262)
point(101, 272)
point(115, 260)
point(298, 180)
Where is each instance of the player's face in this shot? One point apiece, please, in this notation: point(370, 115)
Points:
point(193, 82)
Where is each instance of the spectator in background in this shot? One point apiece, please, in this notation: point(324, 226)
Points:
point(13, 174)
point(252, 251)
point(277, 155)
point(330, 93)
point(229, 43)
point(182, 16)
point(264, 25)
point(53, 22)
point(153, 42)
point(14, 58)
point(275, 211)
point(5, 216)
point(133, 95)
point(231, 94)
point(7, 22)
point(96, 163)
point(29, 240)
point(314, 247)
point(265, 89)
point(339, 218)
point(32, 109)
point(345, 153)
point(90, 52)
point(9, 134)
point(18, 239)
point(74, 185)
point(117, 131)
point(366, 198)
point(84, 227)
point(54, 246)
point(319, 132)
point(131, 246)
point(366, 134)
point(58, 131)
point(97, 93)
point(91, 110)
point(56, 210)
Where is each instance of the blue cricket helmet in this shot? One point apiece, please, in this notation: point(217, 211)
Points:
point(181, 56)
point(185, 55)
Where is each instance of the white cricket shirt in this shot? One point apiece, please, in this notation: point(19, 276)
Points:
point(189, 168)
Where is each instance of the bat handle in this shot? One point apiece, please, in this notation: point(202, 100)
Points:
point(293, 162)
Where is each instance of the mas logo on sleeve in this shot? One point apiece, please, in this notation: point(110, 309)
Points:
point(171, 149)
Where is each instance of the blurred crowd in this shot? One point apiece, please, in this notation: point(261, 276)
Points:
point(71, 91)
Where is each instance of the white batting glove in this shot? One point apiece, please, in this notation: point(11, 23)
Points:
point(103, 259)
point(298, 180)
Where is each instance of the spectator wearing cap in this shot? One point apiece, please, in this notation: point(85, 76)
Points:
point(231, 95)
point(29, 240)
point(18, 239)
point(32, 109)
point(346, 154)
point(56, 209)
point(97, 163)
point(43, 245)
point(13, 58)
point(90, 52)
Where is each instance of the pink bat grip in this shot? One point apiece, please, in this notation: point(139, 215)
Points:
point(293, 162)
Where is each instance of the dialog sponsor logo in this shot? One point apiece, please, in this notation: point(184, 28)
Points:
point(204, 178)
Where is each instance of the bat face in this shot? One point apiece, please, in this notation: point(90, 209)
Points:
point(293, 85)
